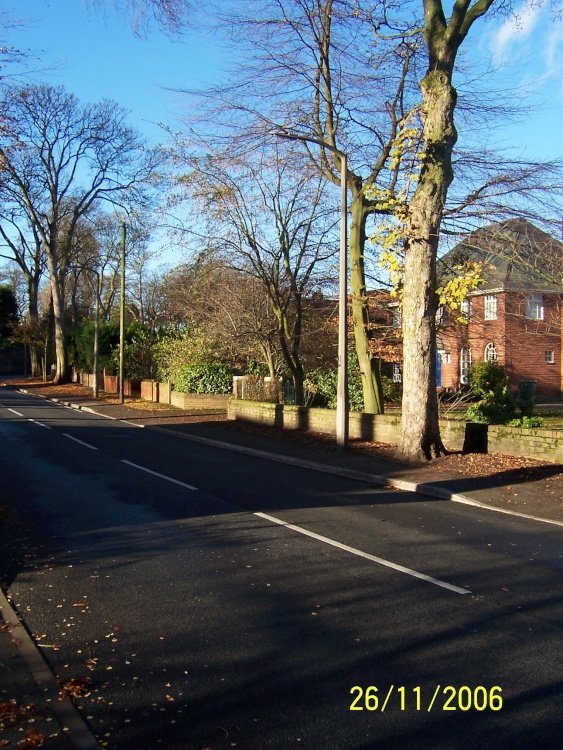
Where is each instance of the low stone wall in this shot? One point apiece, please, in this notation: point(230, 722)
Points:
point(199, 400)
point(545, 445)
point(383, 428)
point(525, 441)
point(163, 393)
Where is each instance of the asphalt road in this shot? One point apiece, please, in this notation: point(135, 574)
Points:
point(217, 600)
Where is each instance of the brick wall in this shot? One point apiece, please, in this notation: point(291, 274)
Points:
point(520, 343)
point(149, 390)
point(528, 342)
point(110, 383)
point(198, 400)
point(165, 392)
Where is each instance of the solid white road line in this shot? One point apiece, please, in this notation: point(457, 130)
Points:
point(359, 553)
point(156, 474)
point(76, 440)
point(15, 412)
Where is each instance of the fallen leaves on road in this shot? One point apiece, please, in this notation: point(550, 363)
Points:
point(78, 687)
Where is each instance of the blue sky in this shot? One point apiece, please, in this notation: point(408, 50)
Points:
point(94, 53)
point(530, 45)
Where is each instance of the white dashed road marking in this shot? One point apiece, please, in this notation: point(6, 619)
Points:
point(76, 440)
point(367, 556)
point(156, 474)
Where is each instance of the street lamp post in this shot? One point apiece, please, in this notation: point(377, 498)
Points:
point(342, 382)
point(122, 318)
point(96, 385)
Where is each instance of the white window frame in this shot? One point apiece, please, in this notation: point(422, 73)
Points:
point(465, 309)
point(464, 364)
point(442, 316)
point(490, 354)
point(534, 307)
point(397, 317)
point(490, 307)
point(397, 375)
point(549, 356)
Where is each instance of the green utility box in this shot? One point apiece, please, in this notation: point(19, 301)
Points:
point(527, 390)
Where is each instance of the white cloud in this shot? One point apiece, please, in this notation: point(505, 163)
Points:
point(552, 49)
point(516, 29)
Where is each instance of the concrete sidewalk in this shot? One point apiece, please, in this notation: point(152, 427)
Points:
point(508, 492)
point(33, 710)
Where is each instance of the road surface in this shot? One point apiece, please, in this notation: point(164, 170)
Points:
point(216, 600)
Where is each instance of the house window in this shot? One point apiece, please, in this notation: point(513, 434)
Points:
point(464, 365)
point(442, 317)
point(490, 307)
point(396, 372)
point(549, 357)
point(397, 317)
point(466, 309)
point(534, 307)
point(490, 353)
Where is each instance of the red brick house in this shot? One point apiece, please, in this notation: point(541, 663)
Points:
point(515, 317)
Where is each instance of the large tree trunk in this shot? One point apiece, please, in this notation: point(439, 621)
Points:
point(57, 297)
point(420, 431)
point(33, 311)
point(371, 380)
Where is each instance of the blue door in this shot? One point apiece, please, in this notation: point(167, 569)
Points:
point(438, 370)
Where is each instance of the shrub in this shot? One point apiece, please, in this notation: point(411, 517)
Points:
point(526, 422)
point(139, 361)
point(321, 386)
point(176, 347)
point(81, 345)
point(256, 368)
point(526, 406)
point(486, 377)
point(489, 380)
point(496, 409)
point(205, 377)
point(392, 392)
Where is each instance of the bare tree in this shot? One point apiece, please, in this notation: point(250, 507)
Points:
point(21, 243)
point(272, 221)
point(230, 306)
point(313, 66)
point(171, 15)
point(69, 158)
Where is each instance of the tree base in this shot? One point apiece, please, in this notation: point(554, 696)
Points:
point(421, 454)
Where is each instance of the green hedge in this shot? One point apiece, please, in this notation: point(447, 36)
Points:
point(206, 377)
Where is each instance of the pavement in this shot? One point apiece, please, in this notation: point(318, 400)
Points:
point(34, 712)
